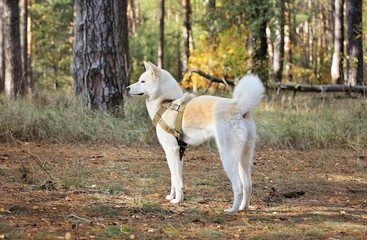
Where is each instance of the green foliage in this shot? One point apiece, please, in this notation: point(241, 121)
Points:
point(144, 45)
point(52, 23)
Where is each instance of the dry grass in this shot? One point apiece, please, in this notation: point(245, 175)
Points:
point(312, 122)
point(304, 122)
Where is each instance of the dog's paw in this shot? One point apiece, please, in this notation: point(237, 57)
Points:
point(175, 201)
point(169, 197)
point(231, 210)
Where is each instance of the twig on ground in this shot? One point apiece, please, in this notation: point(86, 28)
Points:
point(35, 159)
point(77, 217)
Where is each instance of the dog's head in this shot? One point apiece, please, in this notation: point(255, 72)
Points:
point(154, 83)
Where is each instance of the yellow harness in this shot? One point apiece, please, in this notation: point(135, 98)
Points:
point(177, 131)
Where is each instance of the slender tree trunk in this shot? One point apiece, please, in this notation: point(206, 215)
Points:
point(306, 41)
point(258, 50)
point(132, 16)
point(24, 45)
point(210, 7)
point(29, 80)
point(2, 56)
point(123, 39)
point(12, 50)
point(100, 68)
point(288, 43)
point(186, 33)
point(311, 34)
point(330, 29)
point(270, 45)
point(338, 55)
point(250, 50)
point(161, 36)
point(278, 42)
point(355, 44)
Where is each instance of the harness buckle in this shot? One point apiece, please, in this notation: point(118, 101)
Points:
point(173, 106)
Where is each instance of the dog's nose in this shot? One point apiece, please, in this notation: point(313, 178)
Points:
point(128, 89)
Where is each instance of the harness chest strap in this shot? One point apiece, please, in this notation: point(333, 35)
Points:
point(177, 131)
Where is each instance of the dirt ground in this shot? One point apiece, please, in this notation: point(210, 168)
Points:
point(52, 191)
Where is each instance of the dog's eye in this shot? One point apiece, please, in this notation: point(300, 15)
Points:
point(143, 81)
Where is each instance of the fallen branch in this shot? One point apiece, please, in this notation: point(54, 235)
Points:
point(288, 86)
point(77, 217)
point(35, 159)
point(320, 88)
point(211, 78)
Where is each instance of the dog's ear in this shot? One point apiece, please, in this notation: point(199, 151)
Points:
point(147, 66)
point(155, 70)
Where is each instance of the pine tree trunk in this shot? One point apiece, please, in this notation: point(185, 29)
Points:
point(250, 50)
point(2, 56)
point(24, 45)
point(161, 36)
point(210, 7)
point(278, 57)
point(355, 44)
point(29, 80)
point(288, 43)
point(100, 59)
point(270, 45)
point(12, 50)
point(338, 55)
point(186, 32)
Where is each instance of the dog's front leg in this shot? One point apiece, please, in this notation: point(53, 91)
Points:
point(172, 193)
point(175, 166)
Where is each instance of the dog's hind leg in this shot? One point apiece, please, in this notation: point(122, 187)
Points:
point(245, 173)
point(230, 150)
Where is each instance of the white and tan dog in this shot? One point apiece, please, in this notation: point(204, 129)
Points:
point(229, 121)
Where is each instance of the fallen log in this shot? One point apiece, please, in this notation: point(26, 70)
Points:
point(287, 86)
point(320, 88)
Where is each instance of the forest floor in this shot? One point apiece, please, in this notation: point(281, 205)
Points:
point(110, 192)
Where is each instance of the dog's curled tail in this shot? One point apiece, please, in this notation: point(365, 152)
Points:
point(248, 93)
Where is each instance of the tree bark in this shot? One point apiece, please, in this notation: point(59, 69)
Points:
point(288, 43)
point(338, 55)
point(278, 57)
point(2, 56)
point(250, 50)
point(321, 88)
point(161, 36)
point(186, 33)
point(100, 59)
point(270, 45)
point(29, 80)
point(12, 50)
point(210, 8)
point(355, 44)
point(24, 45)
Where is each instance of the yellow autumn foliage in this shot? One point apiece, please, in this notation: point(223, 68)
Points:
point(225, 56)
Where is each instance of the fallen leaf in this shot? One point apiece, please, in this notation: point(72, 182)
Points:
point(67, 236)
point(3, 210)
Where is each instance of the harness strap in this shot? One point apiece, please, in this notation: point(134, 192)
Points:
point(177, 131)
